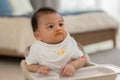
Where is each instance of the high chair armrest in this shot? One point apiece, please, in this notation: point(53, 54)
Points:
point(25, 71)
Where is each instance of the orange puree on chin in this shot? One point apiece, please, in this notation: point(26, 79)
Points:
point(58, 36)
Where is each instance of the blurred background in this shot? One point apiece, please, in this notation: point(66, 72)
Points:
point(16, 33)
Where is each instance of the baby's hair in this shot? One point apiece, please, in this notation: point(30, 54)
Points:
point(41, 11)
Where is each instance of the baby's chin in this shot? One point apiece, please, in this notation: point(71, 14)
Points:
point(59, 38)
point(60, 41)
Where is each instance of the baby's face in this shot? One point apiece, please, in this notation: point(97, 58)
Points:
point(51, 28)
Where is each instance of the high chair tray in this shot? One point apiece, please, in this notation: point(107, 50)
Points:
point(99, 72)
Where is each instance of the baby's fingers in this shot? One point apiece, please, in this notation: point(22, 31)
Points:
point(62, 69)
point(44, 72)
point(67, 72)
point(70, 74)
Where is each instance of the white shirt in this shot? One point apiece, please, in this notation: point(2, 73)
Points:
point(54, 55)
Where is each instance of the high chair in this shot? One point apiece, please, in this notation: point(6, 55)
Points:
point(90, 71)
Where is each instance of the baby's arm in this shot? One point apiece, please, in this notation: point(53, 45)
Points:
point(69, 69)
point(37, 68)
point(79, 62)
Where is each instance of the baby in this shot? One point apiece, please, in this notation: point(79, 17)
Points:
point(54, 48)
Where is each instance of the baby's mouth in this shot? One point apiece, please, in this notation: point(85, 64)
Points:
point(59, 35)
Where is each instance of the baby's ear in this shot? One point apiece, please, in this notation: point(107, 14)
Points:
point(37, 35)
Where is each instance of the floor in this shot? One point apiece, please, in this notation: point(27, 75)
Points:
point(10, 68)
point(111, 56)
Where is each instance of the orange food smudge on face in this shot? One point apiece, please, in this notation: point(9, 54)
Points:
point(58, 36)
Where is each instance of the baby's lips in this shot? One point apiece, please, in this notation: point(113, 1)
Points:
point(58, 36)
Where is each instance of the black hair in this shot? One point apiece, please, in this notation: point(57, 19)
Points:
point(41, 11)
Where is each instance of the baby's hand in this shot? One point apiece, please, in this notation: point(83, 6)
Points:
point(68, 70)
point(43, 69)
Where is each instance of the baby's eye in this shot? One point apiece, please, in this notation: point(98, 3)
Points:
point(61, 24)
point(51, 26)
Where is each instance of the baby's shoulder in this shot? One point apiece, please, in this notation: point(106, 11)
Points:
point(35, 45)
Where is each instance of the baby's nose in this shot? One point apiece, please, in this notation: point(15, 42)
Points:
point(59, 30)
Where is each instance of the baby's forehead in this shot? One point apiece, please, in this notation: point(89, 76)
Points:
point(47, 14)
point(50, 15)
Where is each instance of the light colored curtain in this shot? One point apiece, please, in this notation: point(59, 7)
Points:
point(37, 4)
point(55, 4)
point(109, 6)
point(77, 5)
point(112, 7)
point(45, 3)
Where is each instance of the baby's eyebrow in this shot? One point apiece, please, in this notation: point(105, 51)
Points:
point(61, 21)
point(48, 23)
point(58, 22)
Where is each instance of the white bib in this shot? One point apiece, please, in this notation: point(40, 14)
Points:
point(55, 55)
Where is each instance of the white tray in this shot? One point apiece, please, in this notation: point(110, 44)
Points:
point(99, 72)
